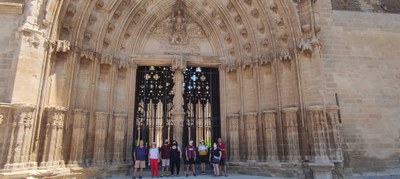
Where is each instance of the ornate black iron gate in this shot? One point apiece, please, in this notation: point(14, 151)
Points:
point(153, 104)
point(154, 98)
point(201, 105)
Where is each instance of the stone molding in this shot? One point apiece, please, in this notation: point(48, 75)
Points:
point(11, 8)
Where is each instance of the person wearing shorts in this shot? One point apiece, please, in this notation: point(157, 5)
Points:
point(139, 156)
point(165, 158)
point(190, 153)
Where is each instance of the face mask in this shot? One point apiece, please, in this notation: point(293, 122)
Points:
point(215, 146)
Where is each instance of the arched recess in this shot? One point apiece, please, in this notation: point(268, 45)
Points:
point(256, 40)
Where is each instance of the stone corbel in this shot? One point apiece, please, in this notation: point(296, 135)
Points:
point(178, 63)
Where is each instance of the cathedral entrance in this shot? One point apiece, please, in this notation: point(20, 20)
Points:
point(154, 104)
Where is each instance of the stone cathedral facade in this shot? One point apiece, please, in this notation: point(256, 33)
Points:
point(295, 88)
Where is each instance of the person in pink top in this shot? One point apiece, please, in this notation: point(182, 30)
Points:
point(222, 147)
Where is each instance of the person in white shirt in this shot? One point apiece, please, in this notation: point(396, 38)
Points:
point(154, 158)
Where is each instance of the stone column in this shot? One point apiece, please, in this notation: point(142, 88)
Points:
point(291, 134)
point(119, 137)
point(269, 127)
point(233, 137)
point(5, 127)
point(251, 136)
point(321, 166)
point(79, 127)
point(21, 138)
point(318, 133)
point(101, 121)
point(52, 153)
point(335, 139)
point(131, 105)
point(178, 66)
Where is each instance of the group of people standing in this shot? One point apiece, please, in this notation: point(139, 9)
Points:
point(170, 157)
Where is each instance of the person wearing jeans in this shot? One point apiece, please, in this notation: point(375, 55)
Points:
point(154, 158)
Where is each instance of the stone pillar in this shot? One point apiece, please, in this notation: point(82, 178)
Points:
point(269, 128)
point(5, 126)
point(178, 66)
point(291, 134)
point(233, 137)
point(131, 105)
point(79, 127)
point(318, 133)
point(101, 121)
point(321, 166)
point(251, 136)
point(21, 138)
point(119, 137)
point(334, 137)
point(52, 153)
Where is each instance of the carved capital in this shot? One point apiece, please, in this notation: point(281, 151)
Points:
point(90, 55)
point(307, 46)
point(80, 118)
point(23, 115)
point(56, 116)
point(284, 54)
point(231, 66)
point(4, 109)
point(63, 45)
point(123, 63)
point(107, 59)
point(248, 62)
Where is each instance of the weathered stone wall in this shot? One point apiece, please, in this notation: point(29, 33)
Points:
point(9, 45)
point(360, 64)
point(388, 6)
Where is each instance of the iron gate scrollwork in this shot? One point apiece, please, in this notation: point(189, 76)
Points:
point(201, 105)
point(154, 103)
point(153, 100)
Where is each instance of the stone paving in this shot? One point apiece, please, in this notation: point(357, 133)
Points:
point(147, 174)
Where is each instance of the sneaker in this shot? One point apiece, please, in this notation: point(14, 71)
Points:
point(161, 175)
point(187, 175)
point(194, 174)
point(167, 175)
point(226, 175)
